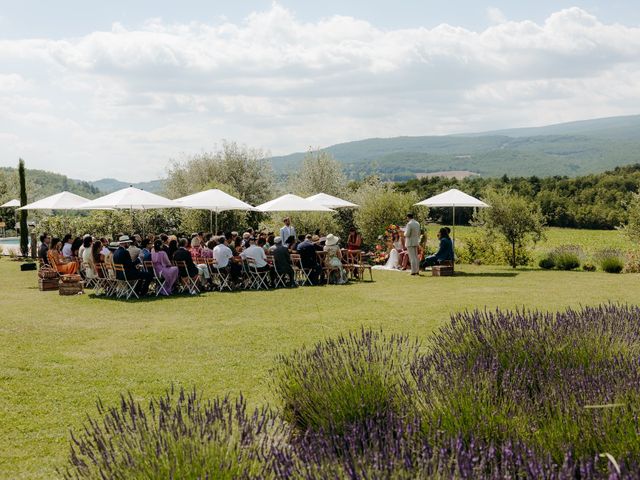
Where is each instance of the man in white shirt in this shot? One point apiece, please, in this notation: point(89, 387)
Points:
point(256, 253)
point(287, 231)
point(222, 253)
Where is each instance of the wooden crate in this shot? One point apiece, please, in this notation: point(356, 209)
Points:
point(70, 288)
point(47, 284)
point(442, 271)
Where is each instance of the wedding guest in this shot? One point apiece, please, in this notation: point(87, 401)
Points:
point(282, 263)
point(190, 269)
point(354, 241)
point(96, 258)
point(196, 250)
point(75, 248)
point(134, 250)
point(172, 248)
point(287, 230)
point(43, 249)
point(309, 259)
point(67, 241)
point(207, 250)
point(122, 257)
point(145, 253)
point(412, 242)
point(83, 247)
point(85, 257)
point(105, 248)
point(256, 253)
point(333, 260)
point(57, 261)
point(165, 242)
point(224, 259)
point(163, 267)
point(445, 250)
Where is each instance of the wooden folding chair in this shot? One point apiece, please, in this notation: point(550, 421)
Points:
point(126, 287)
point(188, 282)
point(259, 279)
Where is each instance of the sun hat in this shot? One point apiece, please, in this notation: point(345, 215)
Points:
point(124, 239)
point(315, 238)
point(277, 240)
point(332, 239)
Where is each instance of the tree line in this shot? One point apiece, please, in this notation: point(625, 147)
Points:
point(597, 201)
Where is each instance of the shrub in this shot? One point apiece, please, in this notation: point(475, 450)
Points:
point(610, 261)
point(178, 436)
point(566, 257)
point(632, 265)
point(566, 385)
point(343, 381)
point(547, 262)
point(589, 267)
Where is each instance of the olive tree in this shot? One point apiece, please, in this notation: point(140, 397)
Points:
point(632, 228)
point(319, 172)
point(516, 219)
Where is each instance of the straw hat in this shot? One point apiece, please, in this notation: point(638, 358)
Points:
point(124, 239)
point(332, 240)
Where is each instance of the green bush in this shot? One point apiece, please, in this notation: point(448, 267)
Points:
point(567, 257)
point(589, 267)
point(547, 263)
point(610, 260)
point(344, 381)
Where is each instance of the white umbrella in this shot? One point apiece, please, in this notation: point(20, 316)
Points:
point(213, 200)
point(453, 198)
point(59, 201)
point(130, 198)
point(11, 204)
point(292, 203)
point(330, 201)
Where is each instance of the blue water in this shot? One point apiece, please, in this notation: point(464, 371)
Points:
point(10, 241)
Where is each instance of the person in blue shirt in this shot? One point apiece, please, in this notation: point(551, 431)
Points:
point(445, 250)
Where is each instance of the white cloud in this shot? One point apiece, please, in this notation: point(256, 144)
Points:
point(495, 15)
point(122, 102)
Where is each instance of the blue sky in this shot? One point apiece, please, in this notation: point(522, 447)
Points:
point(96, 89)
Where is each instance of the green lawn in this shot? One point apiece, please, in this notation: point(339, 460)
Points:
point(58, 354)
point(590, 240)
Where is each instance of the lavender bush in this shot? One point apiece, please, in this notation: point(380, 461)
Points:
point(559, 383)
point(343, 381)
point(179, 436)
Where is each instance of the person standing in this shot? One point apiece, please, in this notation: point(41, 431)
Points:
point(412, 241)
point(43, 250)
point(287, 230)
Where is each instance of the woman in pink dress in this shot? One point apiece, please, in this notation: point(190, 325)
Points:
point(163, 267)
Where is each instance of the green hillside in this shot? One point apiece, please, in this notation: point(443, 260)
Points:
point(41, 184)
point(108, 185)
point(572, 149)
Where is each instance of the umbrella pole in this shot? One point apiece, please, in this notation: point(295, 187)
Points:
point(453, 243)
point(211, 221)
point(216, 222)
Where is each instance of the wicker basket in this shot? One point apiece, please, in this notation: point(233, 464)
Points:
point(47, 272)
point(47, 284)
point(70, 288)
point(70, 278)
point(442, 271)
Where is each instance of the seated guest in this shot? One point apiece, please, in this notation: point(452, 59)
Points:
point(189, 269)
point(256, 253)
point(57, 261)
point(224, 259)
point(145, 253)
point(165, 242)
point(67, 241)
point(207, 251)
point(333, 260)
point(75, 248)
point(172, 248)
point(246, 236)
point(105, 248)
point(163, 267)
point(237, 246)
point(309, 259)
point(86, 256)
point(134, 249)
point(196, 249)
point(95, 259)
point(43, 249)
point(83, 247)
point(282, 263)
point(122, 257)
point(354, 241)
point(445, 250)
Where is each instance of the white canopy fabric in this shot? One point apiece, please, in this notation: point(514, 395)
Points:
point(292, 203)
point(213, 200)
point(59, 201)
point(11, 204)
point(330, 201)
point(453, 198)
point(130, 198)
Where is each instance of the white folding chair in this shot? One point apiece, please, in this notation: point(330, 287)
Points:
point(188, 282)
point(278, 277)
point(126, 287)
point(259, 279)
point(303, 276)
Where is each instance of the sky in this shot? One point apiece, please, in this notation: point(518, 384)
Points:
point(119, 89)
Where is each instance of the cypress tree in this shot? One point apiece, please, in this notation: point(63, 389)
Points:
point(24, 229)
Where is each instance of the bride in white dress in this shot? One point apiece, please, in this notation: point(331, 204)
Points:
point(394, 262)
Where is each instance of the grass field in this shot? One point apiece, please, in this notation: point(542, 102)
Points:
point(59, 354)
point(589, 240)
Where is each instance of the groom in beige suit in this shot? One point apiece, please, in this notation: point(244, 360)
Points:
point(411, 241)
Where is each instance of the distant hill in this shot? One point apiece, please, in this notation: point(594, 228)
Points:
point(41, 184)
point(571, 149)
point(108, 185)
